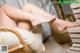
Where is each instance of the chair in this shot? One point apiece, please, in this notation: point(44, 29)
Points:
point(75, 32)
point(22, 44)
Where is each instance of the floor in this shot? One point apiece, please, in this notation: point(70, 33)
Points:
point(53, 47)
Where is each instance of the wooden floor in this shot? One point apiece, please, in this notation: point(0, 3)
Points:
point(53, 47)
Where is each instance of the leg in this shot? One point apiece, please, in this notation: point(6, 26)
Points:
point(35, 10)
point(58, 24)
point(38, 14)
point(5, 20)
point(17, 14)
point(9, 21)
point(20, 15)
point(14, 13)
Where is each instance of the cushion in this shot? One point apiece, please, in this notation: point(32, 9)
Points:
point(33, 40)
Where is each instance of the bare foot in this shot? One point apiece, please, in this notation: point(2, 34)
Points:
point(61, 25)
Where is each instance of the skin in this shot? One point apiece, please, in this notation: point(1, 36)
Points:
point(31, 13)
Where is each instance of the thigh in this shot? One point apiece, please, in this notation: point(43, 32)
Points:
point(35, 10)
point(6, 21)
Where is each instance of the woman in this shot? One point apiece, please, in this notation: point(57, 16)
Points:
point(28, 17)
point(18, 18)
